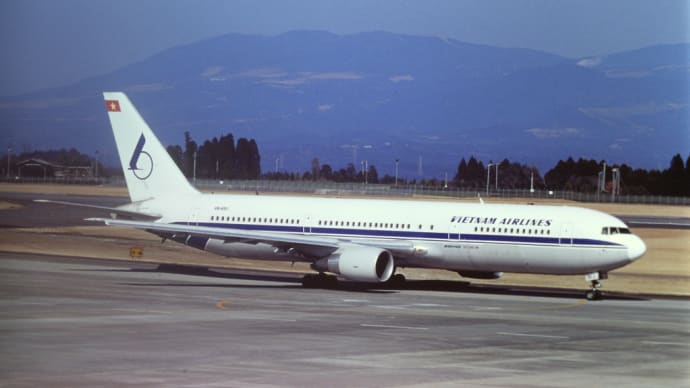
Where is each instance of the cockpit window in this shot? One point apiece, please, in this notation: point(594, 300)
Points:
point(614, 230)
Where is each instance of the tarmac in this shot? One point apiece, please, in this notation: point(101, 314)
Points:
point(68, 322)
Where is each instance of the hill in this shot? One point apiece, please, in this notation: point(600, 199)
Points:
point(379, 97)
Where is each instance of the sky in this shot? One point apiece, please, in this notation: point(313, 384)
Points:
point(47, 43)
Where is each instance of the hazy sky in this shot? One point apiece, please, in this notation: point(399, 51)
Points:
point(47, 43)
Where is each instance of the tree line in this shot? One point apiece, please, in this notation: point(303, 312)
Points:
point(579, 176)
point(218, 158)
point(569, 175)
point(582, 176)
point(222, 158)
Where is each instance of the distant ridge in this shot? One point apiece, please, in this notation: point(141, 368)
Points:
point(380, 96)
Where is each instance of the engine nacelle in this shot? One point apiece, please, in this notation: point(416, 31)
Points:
point(358, 263)
point(480, 274)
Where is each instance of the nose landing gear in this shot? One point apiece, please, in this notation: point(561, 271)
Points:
point(595, 293)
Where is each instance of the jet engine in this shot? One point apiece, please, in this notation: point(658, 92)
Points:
point(358, 263)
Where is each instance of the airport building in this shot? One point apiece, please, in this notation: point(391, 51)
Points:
point(39, 168)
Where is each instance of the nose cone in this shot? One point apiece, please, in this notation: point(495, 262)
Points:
point(636, 248)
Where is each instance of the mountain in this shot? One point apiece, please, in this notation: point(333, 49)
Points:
point(379, 97)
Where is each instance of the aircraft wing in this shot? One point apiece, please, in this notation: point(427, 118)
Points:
point(307, 245)
point(115, 211)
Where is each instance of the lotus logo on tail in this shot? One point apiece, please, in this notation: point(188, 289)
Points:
point(141, 167)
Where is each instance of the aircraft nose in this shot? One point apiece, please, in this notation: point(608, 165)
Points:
point(636, 248)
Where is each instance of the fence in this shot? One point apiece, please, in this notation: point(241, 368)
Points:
point(333, 188)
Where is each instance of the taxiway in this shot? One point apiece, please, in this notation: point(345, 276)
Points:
point(68, 322)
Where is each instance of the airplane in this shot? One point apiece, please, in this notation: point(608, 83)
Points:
point(360, 239)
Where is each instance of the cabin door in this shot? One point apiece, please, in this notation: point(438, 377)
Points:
point(454, 231)
point(566, 237)
point(306, 225)
point(193, 219)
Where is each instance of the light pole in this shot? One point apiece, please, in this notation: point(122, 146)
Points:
point(531, 182)
point(496, 177)
point(194, 173)
point(9, 152)
point(97, 157)
point(615, 183)
point(396, 171)
point(365, 171)
point(488, 175)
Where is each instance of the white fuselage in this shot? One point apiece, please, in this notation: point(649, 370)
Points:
point(457, 236)
point(359, 239)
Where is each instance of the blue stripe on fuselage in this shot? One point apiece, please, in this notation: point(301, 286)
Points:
point(403, 234)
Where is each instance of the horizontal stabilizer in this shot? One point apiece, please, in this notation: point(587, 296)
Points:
point(118, 212)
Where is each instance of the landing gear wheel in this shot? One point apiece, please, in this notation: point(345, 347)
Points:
point(319, 281)
point(309, 281)
point(397, 280)
point(593, 295)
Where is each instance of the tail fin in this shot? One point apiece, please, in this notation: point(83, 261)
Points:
point(148, 168)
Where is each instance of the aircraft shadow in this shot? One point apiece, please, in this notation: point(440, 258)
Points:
point(491, 289)
point(348, 286)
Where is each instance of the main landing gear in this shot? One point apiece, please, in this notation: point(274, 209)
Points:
point(396, 281)
point(320, 280)
point(595, 293)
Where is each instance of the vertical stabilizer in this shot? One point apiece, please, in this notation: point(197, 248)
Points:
point(149, 170)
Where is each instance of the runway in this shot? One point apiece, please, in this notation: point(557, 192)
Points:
point(68, 322)
point(656, 222)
